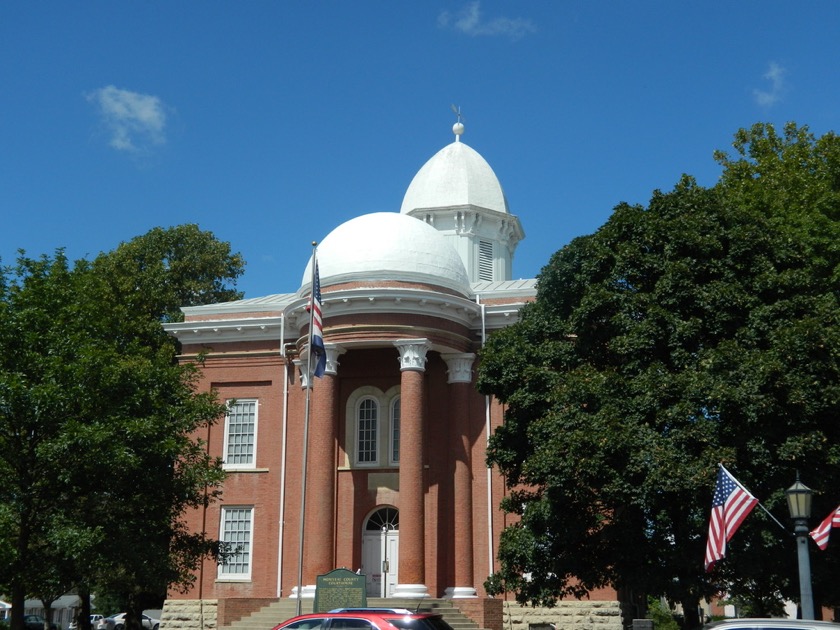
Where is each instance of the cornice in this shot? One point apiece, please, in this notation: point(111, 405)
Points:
point(227, 330)
point(361, 336)
point(352, 302)
point(501, 315)
point(388, 300)
point(485, 221)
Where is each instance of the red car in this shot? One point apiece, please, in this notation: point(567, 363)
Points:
point(366, 619)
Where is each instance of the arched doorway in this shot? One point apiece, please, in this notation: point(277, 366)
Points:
point(380, 551)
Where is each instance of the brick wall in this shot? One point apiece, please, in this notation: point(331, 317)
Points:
point(487, 613)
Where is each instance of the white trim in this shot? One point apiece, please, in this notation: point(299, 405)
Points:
point(247, 324)
point(220, 330)
point(396, 300)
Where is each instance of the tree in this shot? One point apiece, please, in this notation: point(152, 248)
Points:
point(156, 274)
point(97, 419)
point(166, 269)
point(702, 328)
point(795, 179)
point(32, 408)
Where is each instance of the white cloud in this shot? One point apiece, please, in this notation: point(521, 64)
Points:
point(776, 75)
point(471, 22)
point(135, 122)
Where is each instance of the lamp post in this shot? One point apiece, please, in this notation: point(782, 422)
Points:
point(799, 504)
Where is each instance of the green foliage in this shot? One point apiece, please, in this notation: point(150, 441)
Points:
point(702, 328)
point(757, 604)
point(107, 604)
point(97, 420)
point(166, 269)
point(663, 618)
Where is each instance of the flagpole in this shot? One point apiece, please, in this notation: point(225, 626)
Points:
point(785, 529)
point(309, 385)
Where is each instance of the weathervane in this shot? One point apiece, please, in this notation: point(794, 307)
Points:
point(458, 127)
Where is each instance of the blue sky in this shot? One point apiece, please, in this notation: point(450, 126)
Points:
point(270, 123)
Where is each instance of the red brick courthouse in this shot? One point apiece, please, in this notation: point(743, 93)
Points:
point(396, 484)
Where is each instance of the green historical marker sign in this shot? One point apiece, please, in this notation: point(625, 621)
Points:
point(339, 589)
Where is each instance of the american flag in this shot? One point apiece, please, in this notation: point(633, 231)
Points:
point(820, 534)
point(730, 506)
point(316, 334)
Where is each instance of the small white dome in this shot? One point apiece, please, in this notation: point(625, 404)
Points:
point(455, 176)
point(388, 246)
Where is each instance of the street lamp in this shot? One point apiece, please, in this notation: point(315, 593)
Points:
point(799, 504)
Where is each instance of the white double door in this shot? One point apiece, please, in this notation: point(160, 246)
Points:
point(380, 561)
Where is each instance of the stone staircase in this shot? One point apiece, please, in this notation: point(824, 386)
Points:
point(269, 616)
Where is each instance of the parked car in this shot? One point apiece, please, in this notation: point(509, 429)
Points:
point(36, 622)
point(94, 620)
point(771, 624)
point(117, 622)
point(366, 619)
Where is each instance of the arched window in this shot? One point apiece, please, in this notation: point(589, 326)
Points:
point(367, 431)
point(384, 519)
point(373, 427)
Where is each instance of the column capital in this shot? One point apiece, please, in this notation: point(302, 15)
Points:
point(413, 353)
point(334, 351)
point(302, 372)
point(459, 366)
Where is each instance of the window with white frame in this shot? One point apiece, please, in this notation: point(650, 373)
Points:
point(367, 431)
point(241, 434)
point(395, 431)
point(237, 536)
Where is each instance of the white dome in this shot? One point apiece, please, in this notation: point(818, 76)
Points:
point(455, 176)
point(388, 246)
